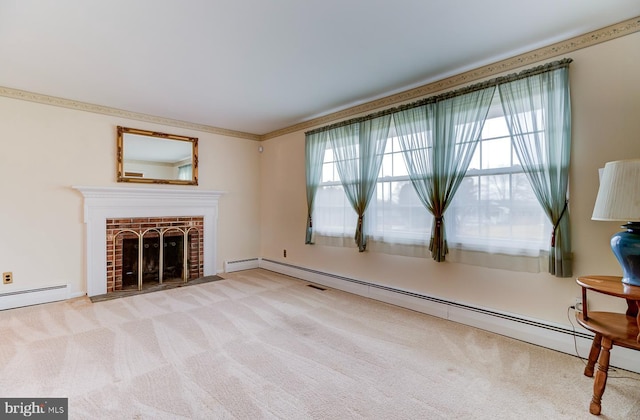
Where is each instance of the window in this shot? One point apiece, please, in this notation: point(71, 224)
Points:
point(332, 215)
point(494, 209)
point(395, 214)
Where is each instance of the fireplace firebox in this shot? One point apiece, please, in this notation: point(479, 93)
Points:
point(154, 269)
point(143, 252)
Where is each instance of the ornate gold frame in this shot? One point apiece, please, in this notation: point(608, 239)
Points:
point(128, 176)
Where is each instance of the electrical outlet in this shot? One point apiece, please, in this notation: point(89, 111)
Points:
point(7, 278)
point(578, 304)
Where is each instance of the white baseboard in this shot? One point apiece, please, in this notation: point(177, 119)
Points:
point(18, 298)
point(238, 265)
point(553, 336)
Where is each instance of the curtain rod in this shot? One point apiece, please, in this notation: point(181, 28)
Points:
point(544, 68)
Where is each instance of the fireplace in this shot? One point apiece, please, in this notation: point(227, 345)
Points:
point(189, 209)
point(147, 251)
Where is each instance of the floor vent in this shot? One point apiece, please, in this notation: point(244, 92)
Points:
point(313, 286)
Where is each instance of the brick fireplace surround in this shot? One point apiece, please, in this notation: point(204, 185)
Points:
point(102, 203)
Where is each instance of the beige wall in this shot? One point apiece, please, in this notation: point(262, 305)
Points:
point(44, 150)
point(605, 91)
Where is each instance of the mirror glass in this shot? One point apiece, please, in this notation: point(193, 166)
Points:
point(159, 158)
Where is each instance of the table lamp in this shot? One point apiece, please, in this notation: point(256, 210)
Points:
point(619, 200)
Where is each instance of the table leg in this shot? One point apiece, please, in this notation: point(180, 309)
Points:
point(593, 355)
point(601, 377)
point(638, 319)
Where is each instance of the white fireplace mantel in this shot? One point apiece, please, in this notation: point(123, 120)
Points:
point(102, 203)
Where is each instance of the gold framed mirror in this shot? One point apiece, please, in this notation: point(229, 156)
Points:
point(157, 158)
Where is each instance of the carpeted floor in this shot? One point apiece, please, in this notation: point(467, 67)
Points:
point(259, 345)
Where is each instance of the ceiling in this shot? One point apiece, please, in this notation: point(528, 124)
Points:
point(257, 66)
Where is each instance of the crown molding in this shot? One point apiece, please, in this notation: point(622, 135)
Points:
point(589, 39)
point(114, 112)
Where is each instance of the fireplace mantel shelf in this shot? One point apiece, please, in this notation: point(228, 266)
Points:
point(101, 203)
point(146, 193)
point(89, 191)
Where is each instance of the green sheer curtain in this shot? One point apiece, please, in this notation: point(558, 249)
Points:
point(358, 150)
point(315, 146)
point(538, 112)
point(438, 141)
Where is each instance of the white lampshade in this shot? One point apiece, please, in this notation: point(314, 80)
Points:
point(619, 193)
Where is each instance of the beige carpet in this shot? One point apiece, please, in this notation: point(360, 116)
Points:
point(260, 345)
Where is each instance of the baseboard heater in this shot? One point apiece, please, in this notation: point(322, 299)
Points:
point(554, 336)
point(19, 298)
point(238, 265)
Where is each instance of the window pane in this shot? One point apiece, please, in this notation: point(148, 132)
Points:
point(497, 213)
point(386, 169)
point(328, 172)
point(333, 215)
point(397, 215)
point(495, 187)
point(496, 153)
point(463, 213)
point(495, 127)
point(388, 148)
point(399, 167)
point(475, 160)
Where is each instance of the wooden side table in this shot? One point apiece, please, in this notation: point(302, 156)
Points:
point(610, 328)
